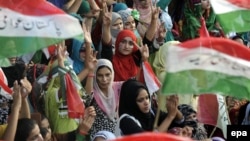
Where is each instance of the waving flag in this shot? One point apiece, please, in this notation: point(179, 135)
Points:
point(212, 110)
point(4, 89)
point(30, 25)
point(152, 136)
point(233, 15)
point(208, 65)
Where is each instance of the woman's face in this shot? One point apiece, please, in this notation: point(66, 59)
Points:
point(130, 23)
point(35, 134)
point(183, 132)
point(142, 101)
point(144, 3)
point(205, 4)
point(103, 78)
point(45, 124)
point(117, 25)
point(126, 46)
point(191, 117)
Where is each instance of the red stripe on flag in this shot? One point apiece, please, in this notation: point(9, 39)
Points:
point(31, 7)
point(223, 45)
point(152, 136)
point(207, 111)
point(241, 3)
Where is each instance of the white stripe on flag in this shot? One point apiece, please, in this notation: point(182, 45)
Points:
point(181, 59)
point(223, 119)
point(53, 26)
point(152, 84)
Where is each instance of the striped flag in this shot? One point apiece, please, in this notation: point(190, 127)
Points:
point(4, 89)
point(152, 82)
point(233, 15)
point(29, 25)
point(208, 65)
point(212, 110)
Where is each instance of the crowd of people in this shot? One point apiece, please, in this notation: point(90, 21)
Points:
point(104, 72)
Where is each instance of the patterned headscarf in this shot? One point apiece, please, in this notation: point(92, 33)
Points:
point(199, 131)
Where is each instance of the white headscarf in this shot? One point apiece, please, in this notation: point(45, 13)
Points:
point(107, 104)
point(105, 135)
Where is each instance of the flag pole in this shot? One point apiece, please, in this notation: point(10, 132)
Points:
point(158, 111)
point(212, 132)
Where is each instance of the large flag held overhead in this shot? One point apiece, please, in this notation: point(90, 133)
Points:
point(212, 110)
point(233, 15)
point(208, 65)
point(30, 25)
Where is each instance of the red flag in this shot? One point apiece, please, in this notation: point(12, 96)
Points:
point(212, 111)
point(152, 136)
point(74, 102)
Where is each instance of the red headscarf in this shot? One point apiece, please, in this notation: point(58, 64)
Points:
point(124, 65)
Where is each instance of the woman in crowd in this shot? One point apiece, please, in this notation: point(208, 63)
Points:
point(136, 114)
point(28, 130)
point(105, 96)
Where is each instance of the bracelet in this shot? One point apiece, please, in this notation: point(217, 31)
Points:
point(91, 75)
point(83, 132)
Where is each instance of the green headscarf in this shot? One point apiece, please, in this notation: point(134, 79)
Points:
point(84, 7)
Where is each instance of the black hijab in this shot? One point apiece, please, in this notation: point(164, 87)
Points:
point(127, 104)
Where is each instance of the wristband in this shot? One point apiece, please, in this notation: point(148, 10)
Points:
point(82, 132)
point(91, 75)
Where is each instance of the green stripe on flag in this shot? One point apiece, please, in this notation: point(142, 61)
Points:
point(237, 21)
point(17, 46)
point(201, 81)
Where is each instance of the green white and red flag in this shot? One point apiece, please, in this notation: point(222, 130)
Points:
point(208, 65)
point(233, 15)
point(29, 25)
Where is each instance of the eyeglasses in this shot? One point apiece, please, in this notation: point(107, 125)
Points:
point(130, 42)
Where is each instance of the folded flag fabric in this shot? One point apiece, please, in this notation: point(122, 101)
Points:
point(4, 89)
point(30, 25)
point(152, 82)
point(233, 15)
point(212, 110)
point(208, 65)
point(152, 136)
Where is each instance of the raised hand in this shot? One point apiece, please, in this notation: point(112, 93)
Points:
point(144, 50)
point(17, 98)
point(87, 121)
point(172, 103)
point(155, 11)
point(91, 60)
point(87, 34)
point(61, 53)
point(107, 14)
point(26, 87)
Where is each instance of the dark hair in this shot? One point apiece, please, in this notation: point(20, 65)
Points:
point(237, 37)
point(104, 66)
point(24, 128)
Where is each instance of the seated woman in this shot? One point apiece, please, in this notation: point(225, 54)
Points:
point(136, 114)
point(27, 130)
